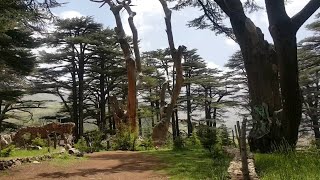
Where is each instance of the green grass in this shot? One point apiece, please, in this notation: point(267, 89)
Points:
point(293, 166)
point(192, 164)
point(66, 160)
point(17, 153)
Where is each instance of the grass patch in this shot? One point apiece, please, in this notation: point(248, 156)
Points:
point(293, 166)
point(19, 153)
point(192, 164)
point(65, 160)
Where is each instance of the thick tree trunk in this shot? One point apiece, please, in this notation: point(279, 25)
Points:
point(262, 72)
point(132, 94)
point(283, 32)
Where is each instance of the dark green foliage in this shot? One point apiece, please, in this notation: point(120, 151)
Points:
point(207, 136)
point(82, 146)
point(95, 139)
point(146, 143)
point(193, 142)
point(6, 152)
point(124, 139)
point(224, 135)
point(39, 142)
point(179, 143)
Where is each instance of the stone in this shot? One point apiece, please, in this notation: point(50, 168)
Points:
point(73, 151)
point(18, 163)
point(68, 146)
point(34, 147)
point(35, 162)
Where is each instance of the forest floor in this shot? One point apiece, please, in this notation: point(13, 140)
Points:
point(102, 165)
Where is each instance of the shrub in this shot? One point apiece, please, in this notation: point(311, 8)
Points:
point(124, 139)
point(193, 142)
point(179, 143)
point(224, 135)
point(38, 142)
point(81, 145)
point(146, 143)
point(94, 139)
point(6, 152)
point(207, 136)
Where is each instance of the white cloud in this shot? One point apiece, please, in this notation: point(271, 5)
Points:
point(230, 42)
point(295, 6)
point(148, 13)
point(70, 14)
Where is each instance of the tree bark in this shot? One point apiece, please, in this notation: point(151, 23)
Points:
point(262, 72)
point(160, 131)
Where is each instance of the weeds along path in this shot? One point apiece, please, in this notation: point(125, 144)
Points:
point(103, 165)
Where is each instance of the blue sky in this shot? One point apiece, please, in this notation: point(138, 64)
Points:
point(150, 23)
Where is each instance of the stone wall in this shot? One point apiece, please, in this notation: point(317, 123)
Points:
point(7, 164)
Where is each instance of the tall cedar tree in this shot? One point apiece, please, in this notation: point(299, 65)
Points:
point(310, 77)
point(74, 40)
point(18, 20)
point(278, 111)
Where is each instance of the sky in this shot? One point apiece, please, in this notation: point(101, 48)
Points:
point(214, 49)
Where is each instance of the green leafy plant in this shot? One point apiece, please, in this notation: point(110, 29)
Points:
point(81, 145)
point(95, 139)
point(224, 135)
point(124, 139)
point(38, 142)
point(6, 152)
point(207, 136)
point(179, 143)
point(193, 142)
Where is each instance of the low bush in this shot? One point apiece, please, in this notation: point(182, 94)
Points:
point(81, 145)
point(6, 152)
point(38, 142)
point(207, 136)
point(124, 139)
point(224, 135)
point(146, 143)
point(94, 141)
point(193, 142)
point(179, 143)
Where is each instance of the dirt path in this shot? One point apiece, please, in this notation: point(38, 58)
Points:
point(103, 165)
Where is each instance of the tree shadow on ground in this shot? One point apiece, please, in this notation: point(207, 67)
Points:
point(105, 164)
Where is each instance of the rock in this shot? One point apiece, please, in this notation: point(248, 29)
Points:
point(63, 150)
point(35, 162)
point(73, 151)
point(80, 154)
point(68, 146)
point(18, 163)
point(34, 147)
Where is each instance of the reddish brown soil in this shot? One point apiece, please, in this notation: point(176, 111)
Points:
point(103, 165)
